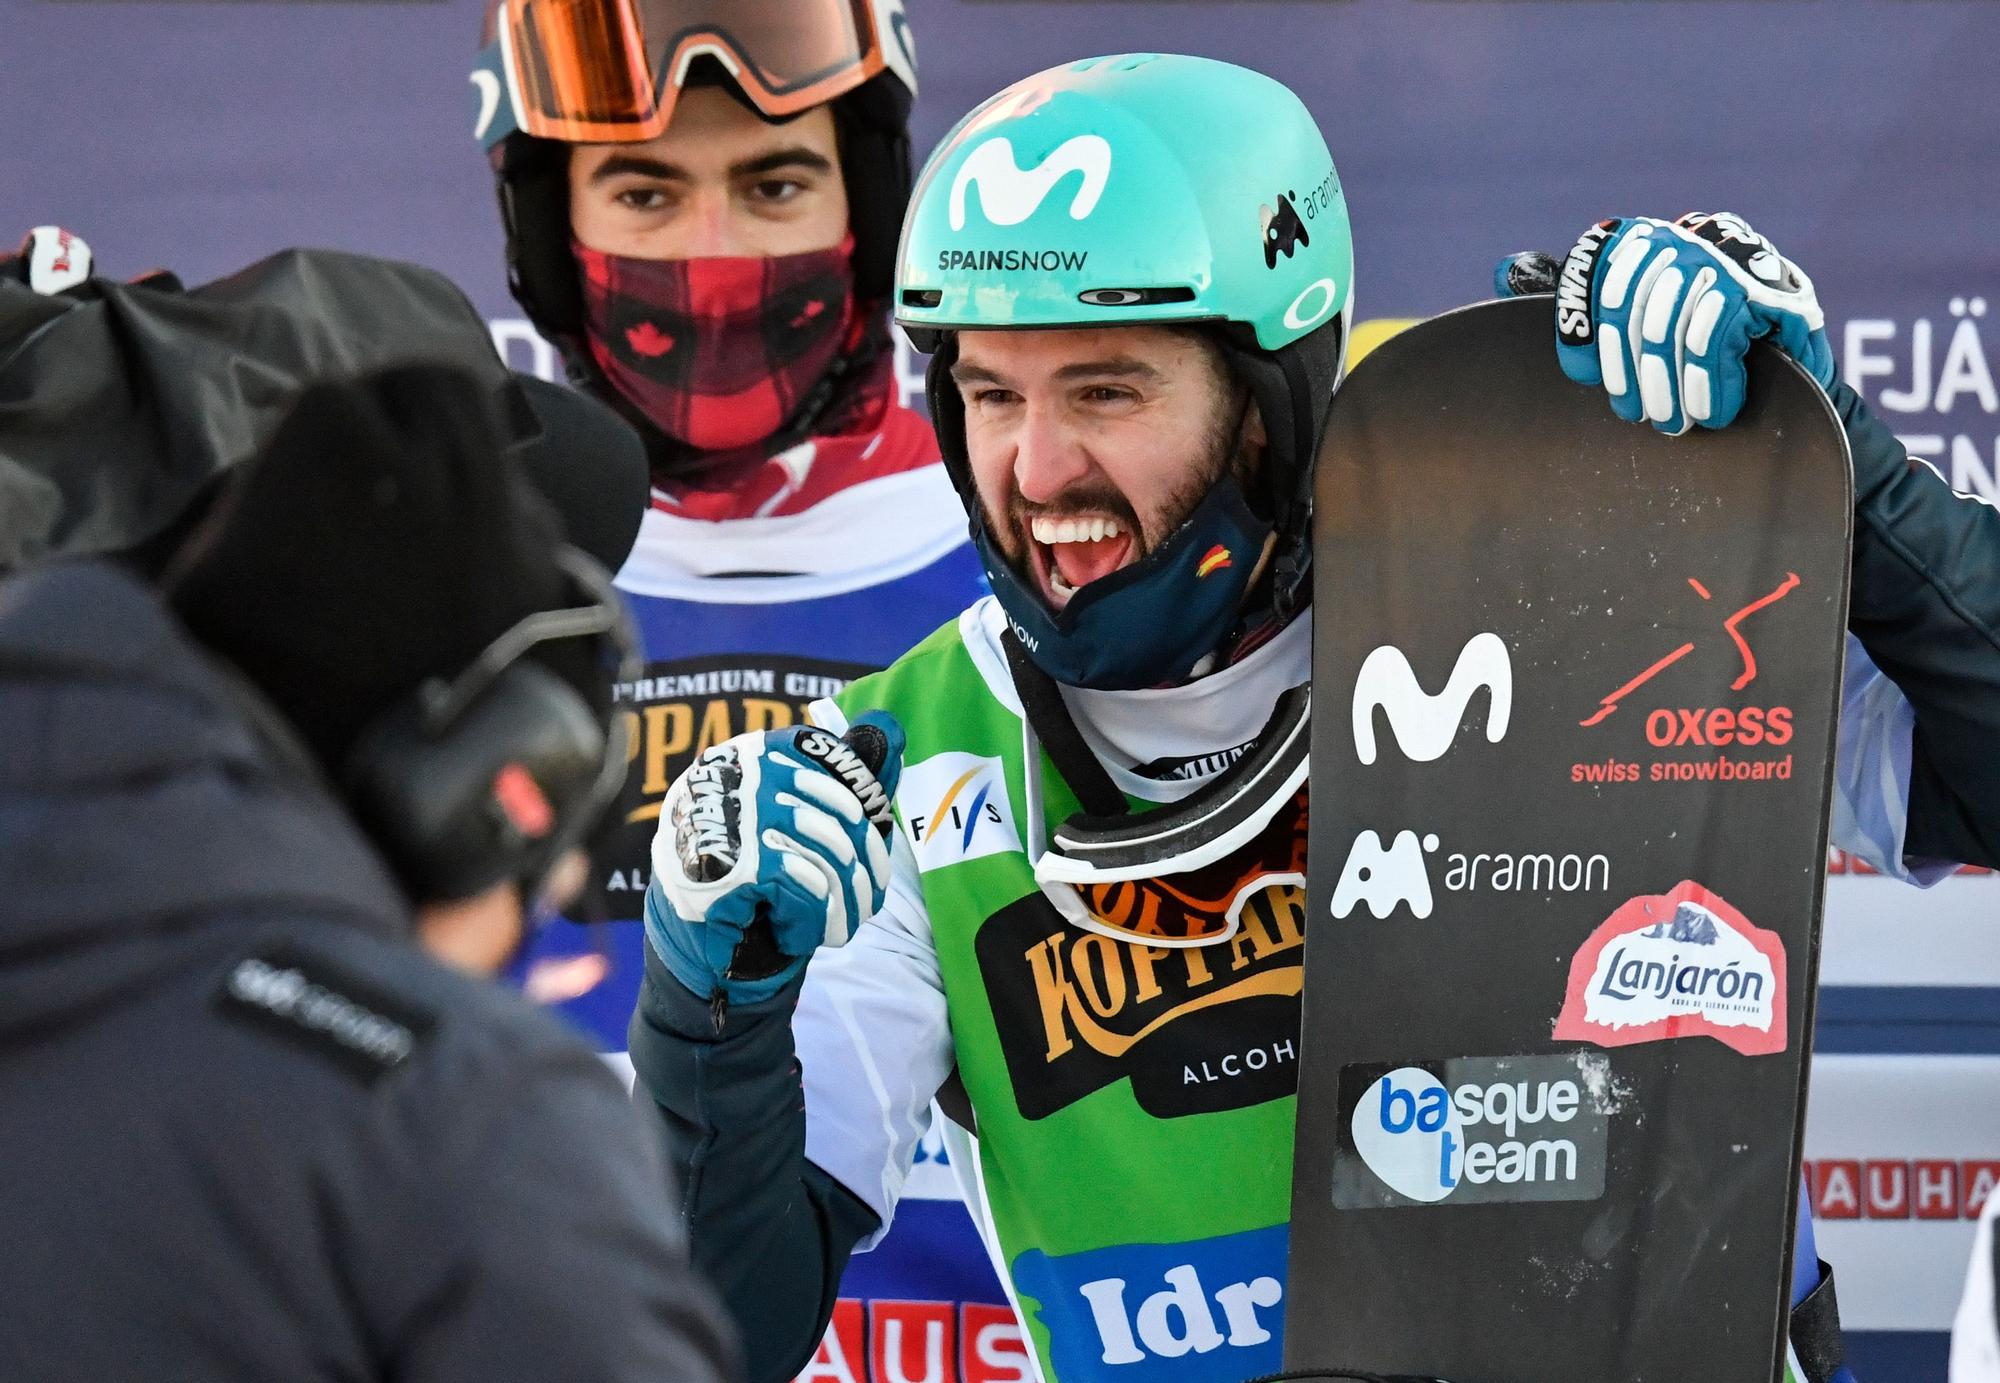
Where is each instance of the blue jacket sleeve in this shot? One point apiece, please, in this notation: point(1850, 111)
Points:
point(771, 1230)
point(1926, 606)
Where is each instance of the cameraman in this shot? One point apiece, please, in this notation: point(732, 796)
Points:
point(253, 1130)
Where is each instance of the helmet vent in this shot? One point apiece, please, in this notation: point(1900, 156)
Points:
point(922, 297)
point(1134, 297)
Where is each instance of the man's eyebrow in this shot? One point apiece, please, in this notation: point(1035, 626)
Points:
point(962, 373)
point(796, 157)
point(619, 164)
point(1116, 366)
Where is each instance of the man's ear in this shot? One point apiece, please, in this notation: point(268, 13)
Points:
point(1253, 428)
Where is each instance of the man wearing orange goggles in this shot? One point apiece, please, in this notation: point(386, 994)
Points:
point(702, 200)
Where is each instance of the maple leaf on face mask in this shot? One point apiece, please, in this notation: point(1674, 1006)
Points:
point(648, 340)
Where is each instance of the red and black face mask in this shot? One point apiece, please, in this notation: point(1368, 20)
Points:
point(717, 353)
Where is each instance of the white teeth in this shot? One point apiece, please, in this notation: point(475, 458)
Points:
point(1093, 530)
point(1060, 586)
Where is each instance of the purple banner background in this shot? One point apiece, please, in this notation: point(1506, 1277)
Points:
point(1862, 135)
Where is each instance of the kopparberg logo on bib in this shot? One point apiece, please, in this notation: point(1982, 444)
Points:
point(955, 807)
point(1473, 1130)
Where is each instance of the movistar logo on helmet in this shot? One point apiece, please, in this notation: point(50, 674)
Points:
point(1010, 194)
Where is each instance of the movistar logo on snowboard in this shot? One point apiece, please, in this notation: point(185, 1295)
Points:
point(1207, 1309)
point(1425, 726)
point(1473, 1130)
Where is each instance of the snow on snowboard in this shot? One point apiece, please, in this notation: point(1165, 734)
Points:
point(1576, 686)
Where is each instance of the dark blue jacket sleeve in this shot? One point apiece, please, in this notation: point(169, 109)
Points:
point(772, 1231)
point(1926, 606)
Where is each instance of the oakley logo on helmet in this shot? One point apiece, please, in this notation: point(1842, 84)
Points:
point(1312, 304)
point(1010, 194)
point(1283, 230)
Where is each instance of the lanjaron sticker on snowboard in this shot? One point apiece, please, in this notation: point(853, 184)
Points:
point(1575, 686)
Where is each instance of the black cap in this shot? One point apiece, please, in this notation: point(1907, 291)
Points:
point(385, 535)
point(587, 462)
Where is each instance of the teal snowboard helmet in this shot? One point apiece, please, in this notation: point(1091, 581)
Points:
point(1144, 189)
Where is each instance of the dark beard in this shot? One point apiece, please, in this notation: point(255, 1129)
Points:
point(1223, 454)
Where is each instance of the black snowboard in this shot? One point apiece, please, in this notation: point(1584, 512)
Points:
point(1572, 757)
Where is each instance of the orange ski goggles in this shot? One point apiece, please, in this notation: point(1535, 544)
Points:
point(611, 71)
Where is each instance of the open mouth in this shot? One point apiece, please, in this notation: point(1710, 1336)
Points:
point(1069, 553)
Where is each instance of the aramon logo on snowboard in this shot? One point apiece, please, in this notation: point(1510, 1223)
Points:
point(1194, 1028)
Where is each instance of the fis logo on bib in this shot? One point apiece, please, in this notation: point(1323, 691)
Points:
point(1473, 1131)
point(955, 806)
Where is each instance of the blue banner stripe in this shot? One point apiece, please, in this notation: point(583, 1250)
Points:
point(1898, 1356)
point(1939, 1020)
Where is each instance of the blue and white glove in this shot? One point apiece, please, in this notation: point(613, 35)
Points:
point(770, 846)
point(1662, 313)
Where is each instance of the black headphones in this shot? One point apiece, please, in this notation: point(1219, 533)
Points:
point(496, 772)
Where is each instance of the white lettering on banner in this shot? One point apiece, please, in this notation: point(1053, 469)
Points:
point(910, 370)
point(1425, 725)
point(516, 337)
point(1948, 382)
point(1877, 1188)
point(1902, 1152)
point(933, 1353)
point(1009, 194)
point(999, 1352)
point(839, 1358)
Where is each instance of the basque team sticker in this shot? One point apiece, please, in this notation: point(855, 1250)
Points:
point(1683, 963)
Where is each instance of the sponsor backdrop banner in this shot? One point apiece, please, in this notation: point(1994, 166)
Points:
point(1858, 134)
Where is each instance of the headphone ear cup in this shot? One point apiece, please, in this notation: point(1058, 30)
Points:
point(497, 794)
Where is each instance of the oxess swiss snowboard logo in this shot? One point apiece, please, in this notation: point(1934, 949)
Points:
point(1683, 963)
